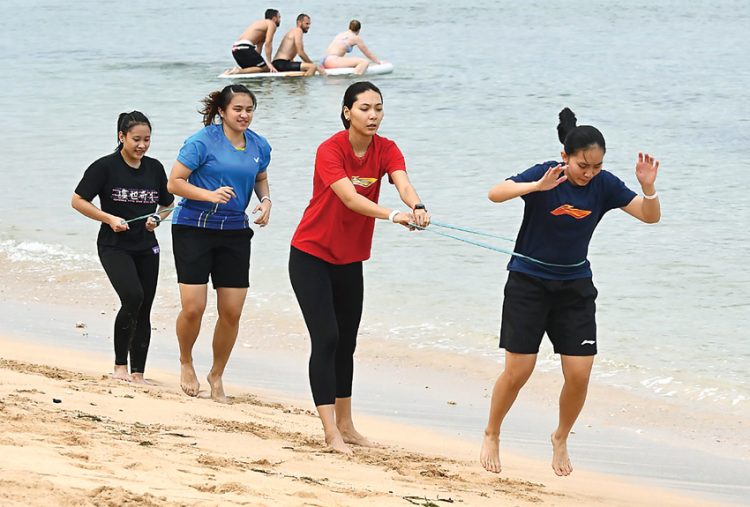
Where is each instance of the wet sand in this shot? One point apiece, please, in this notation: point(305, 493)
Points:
point(106, 442)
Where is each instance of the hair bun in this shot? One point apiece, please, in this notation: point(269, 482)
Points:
point(568, 122)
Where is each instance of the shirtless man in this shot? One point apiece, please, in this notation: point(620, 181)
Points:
point(247, 50)
point(291, 45)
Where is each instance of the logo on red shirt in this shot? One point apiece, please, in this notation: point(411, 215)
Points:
point(567, 209)
point(363, 182)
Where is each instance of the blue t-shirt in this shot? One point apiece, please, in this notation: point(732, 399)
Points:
point(215, 163)
point(558, 224)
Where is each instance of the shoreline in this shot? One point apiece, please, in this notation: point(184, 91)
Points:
point(623, 430)
point(394, 388)
point(109, 441)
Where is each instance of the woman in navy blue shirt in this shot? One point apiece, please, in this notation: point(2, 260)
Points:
point(216, 172)
point(549, 287)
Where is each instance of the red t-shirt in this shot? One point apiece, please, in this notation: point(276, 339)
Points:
point(328, 229)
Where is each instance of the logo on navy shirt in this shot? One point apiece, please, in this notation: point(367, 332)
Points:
point(135, 195)
point(567, 209)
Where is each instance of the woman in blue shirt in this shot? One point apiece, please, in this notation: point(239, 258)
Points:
point(550, 288)
point(216, 172)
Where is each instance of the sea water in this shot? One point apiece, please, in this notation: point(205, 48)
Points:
point(473, 99)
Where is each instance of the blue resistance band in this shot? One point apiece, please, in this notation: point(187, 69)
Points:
point(155, 213)
point(470, 231)
point(487, 246)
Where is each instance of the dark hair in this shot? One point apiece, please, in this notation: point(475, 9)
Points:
point(127, 121)
point(270, 13)
point(220, 100)
point(576, 138)
point(355, 26)
point(302, 17)
point(351, 94)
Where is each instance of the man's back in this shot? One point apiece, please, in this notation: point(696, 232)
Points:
point(256, 32)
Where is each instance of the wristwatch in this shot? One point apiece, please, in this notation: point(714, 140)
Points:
point(419, 205)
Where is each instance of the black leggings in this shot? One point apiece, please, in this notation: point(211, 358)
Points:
point(330, 297)
point(134, 277)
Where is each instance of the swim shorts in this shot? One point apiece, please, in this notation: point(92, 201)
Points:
point(287, 65)
point(246, 56)
point(564, 309)
point(222, 254)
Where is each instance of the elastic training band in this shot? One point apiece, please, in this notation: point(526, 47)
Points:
point(149, 215)
point(470, 231)
point(492, 247)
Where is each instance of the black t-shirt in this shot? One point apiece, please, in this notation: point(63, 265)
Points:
point(127, 193)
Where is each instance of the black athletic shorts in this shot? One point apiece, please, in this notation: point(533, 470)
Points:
point(246, 56)
point(287, 65)
point(222, 254)
point(564, 309)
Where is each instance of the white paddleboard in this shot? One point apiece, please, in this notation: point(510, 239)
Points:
point(372, 70)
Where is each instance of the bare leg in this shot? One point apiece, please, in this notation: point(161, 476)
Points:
point(345, 424)
point(121, 373)
point(360, 64)
point(251, 70)
point(308, 68)
point(246, 70)
point(518, 368)
point(576, 370)
point(193, 299)
point(333, 436)
point(229, 302)
point(361, 67)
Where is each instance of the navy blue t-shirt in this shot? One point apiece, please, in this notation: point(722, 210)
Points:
point(558, 224)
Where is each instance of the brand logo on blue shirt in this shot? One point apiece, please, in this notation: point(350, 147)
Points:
point(568, 209)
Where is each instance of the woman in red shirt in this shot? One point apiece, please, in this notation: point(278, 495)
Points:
point(330, 243)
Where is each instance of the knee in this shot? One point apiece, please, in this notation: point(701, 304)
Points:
point(324, 346)
point(346, 347)
point(516, 378)
point(230, 315)
point(193, 311)
point(132, 300)
point(578, 380)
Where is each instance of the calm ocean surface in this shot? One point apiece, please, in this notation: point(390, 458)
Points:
point(474, 98)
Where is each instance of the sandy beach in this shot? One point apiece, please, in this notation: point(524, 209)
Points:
point(73, 436)
point(667, 417)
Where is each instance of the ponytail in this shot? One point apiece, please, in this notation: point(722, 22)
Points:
point(126, 121)
point(219, 100)
point(576, 137)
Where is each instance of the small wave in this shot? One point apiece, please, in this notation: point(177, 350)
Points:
point(43, 253)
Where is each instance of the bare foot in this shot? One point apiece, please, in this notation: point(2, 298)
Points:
point(352, 436)
point(217, 388)
point(233, 70)
point(560, 459)
point(337, 444)
point(138, 379)
point(189, 380)
point(121, 373)
point(489, 456)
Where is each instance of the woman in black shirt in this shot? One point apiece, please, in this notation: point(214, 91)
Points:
point(129, 185)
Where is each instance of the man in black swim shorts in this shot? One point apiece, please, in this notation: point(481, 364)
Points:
point(249, 47)
point(292, 45)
